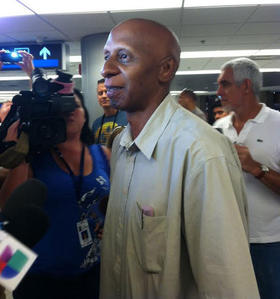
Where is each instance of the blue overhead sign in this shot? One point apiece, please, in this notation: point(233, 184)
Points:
point(45, 55)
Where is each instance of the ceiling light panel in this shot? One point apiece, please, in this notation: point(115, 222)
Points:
point(13, 8)
point(207, 72)
point(84, 6)
point(215, 3)
point(230, 53)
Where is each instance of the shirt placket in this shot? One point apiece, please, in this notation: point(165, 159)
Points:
point(130, 156)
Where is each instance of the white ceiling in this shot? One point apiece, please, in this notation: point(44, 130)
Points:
point(198, 29)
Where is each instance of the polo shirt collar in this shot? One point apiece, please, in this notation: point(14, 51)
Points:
point(262, 115)
point(259, 118)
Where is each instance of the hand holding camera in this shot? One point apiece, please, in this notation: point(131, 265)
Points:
point(10, 57)
point(26, 63)
point(21, 58)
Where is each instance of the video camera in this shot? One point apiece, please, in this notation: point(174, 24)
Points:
point(42, 111)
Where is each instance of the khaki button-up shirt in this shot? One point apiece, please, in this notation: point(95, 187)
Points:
point(176, 219)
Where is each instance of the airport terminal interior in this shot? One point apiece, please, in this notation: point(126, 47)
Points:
point(70, 36)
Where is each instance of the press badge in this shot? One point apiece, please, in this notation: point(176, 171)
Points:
point(84, 233)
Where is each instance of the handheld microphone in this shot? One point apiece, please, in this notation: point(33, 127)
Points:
point(24, 223)
point(23, 216)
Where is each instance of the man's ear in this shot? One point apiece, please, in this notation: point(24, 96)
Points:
point(247, 85)
point(168, 67)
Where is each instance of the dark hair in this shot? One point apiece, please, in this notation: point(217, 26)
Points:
point(86, 134)
point(101, 81)
point(217, 103)
point(188, 92)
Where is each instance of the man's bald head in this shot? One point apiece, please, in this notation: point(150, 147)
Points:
point(153, 37)
point(141, 59)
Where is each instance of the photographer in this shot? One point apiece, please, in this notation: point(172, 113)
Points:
point(76, 174)
point(27, 66)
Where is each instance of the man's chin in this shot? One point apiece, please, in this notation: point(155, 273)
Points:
point(115, 105)
point(107, 105)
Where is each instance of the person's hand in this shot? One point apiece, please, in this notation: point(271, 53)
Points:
point(246, 160)
point(27, 63)
point(99, 230)
point(4, 110)
point(12, 133)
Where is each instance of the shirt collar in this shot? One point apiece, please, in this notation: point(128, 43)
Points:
point(147, 139)
point(261, 116)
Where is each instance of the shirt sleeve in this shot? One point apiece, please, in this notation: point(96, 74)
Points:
point(216, 231)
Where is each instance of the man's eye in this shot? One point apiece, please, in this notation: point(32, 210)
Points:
point(106, 57)
point(123, 57)
point(226, 84)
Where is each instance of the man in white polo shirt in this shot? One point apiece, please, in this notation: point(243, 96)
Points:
point(254, 128)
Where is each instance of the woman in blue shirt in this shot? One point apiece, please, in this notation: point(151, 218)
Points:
point(76, 174)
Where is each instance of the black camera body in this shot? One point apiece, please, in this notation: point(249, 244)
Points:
point(41, 112)
point(10, 57)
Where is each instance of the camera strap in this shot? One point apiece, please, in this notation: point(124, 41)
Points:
point(101, 126)
point(76, 182)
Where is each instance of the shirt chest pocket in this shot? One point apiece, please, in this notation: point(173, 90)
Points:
point(150, 240)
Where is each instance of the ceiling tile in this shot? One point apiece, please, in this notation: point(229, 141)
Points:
point(265, 13)
point(214, 29)
point(34, 36)
point(77, 26)
point(23, 23)
point(203, 41)
point(260, 28)
point(253, 38)
point(249, 46)
point(217, 15)
point(166, 17)
point(201, 48)
point(6, 39)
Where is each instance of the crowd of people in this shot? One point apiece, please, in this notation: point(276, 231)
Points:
point(191, 212)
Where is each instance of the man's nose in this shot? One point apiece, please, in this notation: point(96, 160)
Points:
point(109, 69)
point(219, 91)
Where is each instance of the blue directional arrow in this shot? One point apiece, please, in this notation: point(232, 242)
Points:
point(45, 52)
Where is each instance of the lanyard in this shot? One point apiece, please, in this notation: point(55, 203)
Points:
point(102, 122)
point(77, 183)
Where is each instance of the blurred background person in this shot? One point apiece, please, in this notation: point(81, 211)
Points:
point(104, 125)
point(218, 110)
point(27, 66)
point(254, 129)
point(188, 99)
point(76, 174)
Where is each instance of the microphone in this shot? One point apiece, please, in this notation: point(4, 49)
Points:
point(24, 223)
point(23, 216)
